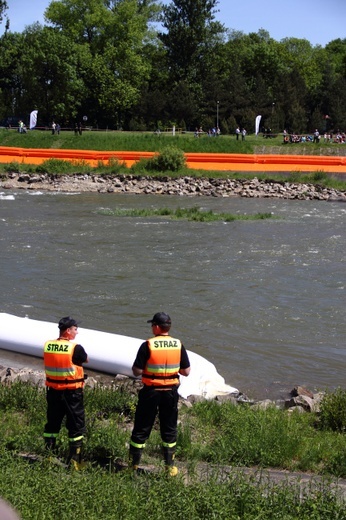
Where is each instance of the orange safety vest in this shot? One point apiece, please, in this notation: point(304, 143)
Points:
point(162, 367)
point(61, 373)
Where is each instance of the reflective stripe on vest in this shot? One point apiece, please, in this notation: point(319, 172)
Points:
point(60, 371)
point(163, 365)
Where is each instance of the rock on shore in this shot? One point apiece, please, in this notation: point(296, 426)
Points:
point(183, 186)
point(299, 400)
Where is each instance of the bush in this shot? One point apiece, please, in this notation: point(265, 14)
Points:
point(54, 166)
point(12, 167)
point(63, 167)
point(333, 411)
point(170, 159)
point(112, 167)
point(320, 176)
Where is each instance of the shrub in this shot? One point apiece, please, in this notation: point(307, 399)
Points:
point(319, 176)
point(295, 176)
point(63, 167)
point(333, 411)
point(54, 166)
point(12, 167)
point(112, 167)
point(170, 159)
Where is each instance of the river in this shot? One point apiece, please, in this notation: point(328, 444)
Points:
point(263, 300)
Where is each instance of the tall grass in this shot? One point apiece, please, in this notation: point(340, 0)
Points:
point(212, 439)
point(123, 141)
point(192, 214)
point(148, 141)
point(46, 492)
point(245, 436)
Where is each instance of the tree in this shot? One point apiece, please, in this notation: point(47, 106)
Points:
point(113, 33)
point(298, 54)
point(336, 51)
point(190, 36)
point(39, 69)
point(244, 72)
point(3, 8)
point(190, 39)
point(338, 104)
point(11, 84)
point(50, 68)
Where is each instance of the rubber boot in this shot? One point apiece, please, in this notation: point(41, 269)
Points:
point(135, 456)
point(168, 457)
point(50, 444)
point(74, 458)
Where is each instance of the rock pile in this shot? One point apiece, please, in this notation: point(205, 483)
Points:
point(183, 186)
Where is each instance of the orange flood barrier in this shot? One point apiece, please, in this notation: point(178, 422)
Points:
point(203, 161)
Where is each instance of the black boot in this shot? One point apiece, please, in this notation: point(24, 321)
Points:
point(168, 457)
point(75, 456)
point(50, 444)
point(135, 455)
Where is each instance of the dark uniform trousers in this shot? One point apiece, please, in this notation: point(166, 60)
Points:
point(150, 401)
point(67, 403)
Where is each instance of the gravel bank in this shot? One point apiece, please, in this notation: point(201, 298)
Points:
point(184, 186)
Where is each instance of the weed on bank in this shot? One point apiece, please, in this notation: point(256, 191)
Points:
point(43, 492)
point(152, 142)
point(213, 436)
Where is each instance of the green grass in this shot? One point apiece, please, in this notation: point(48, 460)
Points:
point(141, 141)
point(246, 436)
point(148, 141)
point(45, 492)
point(191, 214)
point(212, 438)
point(124, 141)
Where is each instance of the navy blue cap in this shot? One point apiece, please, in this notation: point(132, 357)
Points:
point(160, 318)
point(67, 322)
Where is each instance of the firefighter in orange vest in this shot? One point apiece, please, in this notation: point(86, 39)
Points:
point(63, 362)
point(159, 361)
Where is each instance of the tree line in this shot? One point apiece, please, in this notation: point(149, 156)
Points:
point(141, 65)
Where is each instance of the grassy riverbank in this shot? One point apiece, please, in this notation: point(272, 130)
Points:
point(168, 145)
point(149, 141)
point(212, 437)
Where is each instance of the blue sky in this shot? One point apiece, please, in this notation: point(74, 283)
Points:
point(319, 21)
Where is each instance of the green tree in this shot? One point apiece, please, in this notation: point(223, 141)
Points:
point(243, 75)
point(332, 89)
point(291, 104)
point(190, 39)
point(298, 54)
point(39, 69)
point(50, 67)
point(11, 83)
point(190, 35)
point(338, 104)
point(114, 34)
point(3, 8)
point(336, 52)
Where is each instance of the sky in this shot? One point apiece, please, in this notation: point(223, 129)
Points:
point(318, 21)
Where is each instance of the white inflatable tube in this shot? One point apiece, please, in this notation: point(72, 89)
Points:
point(108, 353)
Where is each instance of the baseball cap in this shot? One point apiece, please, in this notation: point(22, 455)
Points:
point(67, 322)
point(160, 318)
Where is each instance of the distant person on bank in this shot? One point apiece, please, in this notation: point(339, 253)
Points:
point(159, 361)
point(63, 362)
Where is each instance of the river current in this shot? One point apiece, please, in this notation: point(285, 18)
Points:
point(263, 300)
